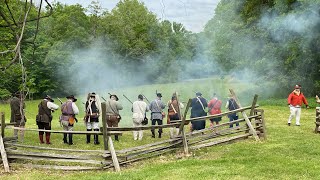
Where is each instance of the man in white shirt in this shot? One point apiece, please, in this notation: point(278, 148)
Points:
point(139, 109)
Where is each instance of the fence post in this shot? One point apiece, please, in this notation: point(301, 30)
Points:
point(182, 131)
point(254, 133)
point(104, 126)
point(3, 124)
point(113, 155)
point(2, 149)
point(264, 129)
point(254, 102)
point(316, 130)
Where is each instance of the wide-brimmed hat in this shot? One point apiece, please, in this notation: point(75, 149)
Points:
point(159, 95)
point(49, 98)
point(72, 97)
point(115, 96)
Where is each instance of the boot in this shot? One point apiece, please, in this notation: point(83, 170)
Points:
point(70, 139)
point(96, 137)
point(159, 134)
point(48, 138)
point(65, 138)
point(41, 138)
point(88, 136)
point(116, 137)
point(153, 135)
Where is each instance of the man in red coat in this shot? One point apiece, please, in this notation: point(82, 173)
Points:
point(214, 107)
point(295, 100)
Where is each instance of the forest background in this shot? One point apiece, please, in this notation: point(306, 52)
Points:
point(74, 50)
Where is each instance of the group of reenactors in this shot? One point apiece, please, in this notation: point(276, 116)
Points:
point(139, 109)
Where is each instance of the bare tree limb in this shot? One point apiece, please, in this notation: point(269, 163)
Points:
point(33, 19)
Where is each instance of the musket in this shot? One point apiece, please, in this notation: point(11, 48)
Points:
point(127, 98)
point(146, 98)
point(103, 98)
point(60, 100)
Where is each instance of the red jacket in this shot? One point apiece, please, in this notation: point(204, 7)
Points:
point(295, 99)
point(215, 106)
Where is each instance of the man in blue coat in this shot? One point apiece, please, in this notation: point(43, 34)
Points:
point(198, 105)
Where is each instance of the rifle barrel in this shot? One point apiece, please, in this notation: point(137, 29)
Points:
point(146, 98)
point(127, 98)
point(60, 100)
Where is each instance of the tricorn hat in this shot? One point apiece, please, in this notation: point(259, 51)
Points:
point(159, 95)
point(72, 97)
point(115, 96)
point(49, 98)
point(93, 94)
point(198, 94)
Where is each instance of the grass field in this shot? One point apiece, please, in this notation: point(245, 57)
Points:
point(288, 153)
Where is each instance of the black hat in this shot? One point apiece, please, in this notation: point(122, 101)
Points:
point(72, 97)
point(17, 94)
point(198, 94)
point(114, 96)
point(93, 94)
point(297, 86)
point(140, 96)
point(49, 98)
point(159, 95)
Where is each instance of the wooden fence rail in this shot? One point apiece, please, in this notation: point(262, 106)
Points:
point(109, 157)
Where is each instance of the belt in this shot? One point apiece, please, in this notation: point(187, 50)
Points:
point(67, 114)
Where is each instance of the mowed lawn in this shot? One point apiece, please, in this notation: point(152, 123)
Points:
point(288, 153)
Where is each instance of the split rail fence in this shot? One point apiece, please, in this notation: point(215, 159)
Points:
point(251, 124)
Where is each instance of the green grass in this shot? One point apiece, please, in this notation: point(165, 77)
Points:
point(288, 153)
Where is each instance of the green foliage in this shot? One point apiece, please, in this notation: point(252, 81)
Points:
point(129, 26)
point(275, 40)
point(248, 35)
point(4, 94)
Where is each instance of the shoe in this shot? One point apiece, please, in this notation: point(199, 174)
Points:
point(65, 138)
point(70, 139)
point(297, 124)
point(289, 124)
point(153, 135)
point(41, 139)
point(48, 138)
point(159, 135)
